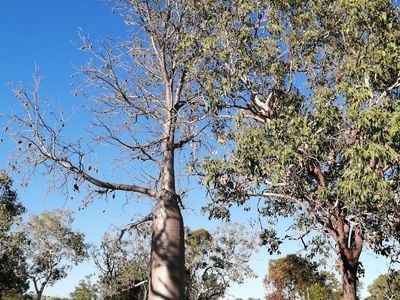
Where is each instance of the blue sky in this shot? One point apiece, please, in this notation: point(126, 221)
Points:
point(45, 32)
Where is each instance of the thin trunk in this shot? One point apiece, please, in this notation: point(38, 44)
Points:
point(38, 291)
point(39, 295)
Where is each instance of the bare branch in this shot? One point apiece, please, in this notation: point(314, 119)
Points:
point(133, 225)
point(387, 91)
point(49, 150)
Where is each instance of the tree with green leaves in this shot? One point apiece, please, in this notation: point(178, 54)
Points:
point(385, 287)
point(145, 103)
point(294, 276)
point(13, 276)
point(217, 259)
point(308, 99)
point(214, 261)
point(123, 264)
point(53, 248)
point(84, 291)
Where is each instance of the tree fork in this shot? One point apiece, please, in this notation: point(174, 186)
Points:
point(349, 255)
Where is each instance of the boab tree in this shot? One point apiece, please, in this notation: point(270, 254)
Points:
point(316, 136)
point(144, 103)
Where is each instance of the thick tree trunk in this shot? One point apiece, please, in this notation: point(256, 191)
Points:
point(349, 251)
point(167, 278)
point(167, 256)
point(348, 272)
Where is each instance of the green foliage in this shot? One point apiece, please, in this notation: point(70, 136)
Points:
point(293, 276)
point(197, 239)
point(17, 296)
point(84, 291)
point(217, 259)
point(53, 247)
point(386, 286)
point(13, 276)
point(314, 87)
point(124, 264)
point(214, 261)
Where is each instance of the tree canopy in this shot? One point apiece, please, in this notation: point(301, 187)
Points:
point(217, 259)
point(385, 287)
point(13, 276)
point(53, 248)
point(294, 276)
point(314, 90)
point(123, 264)
point(84, 291)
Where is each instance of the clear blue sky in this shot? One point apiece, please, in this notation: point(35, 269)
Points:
point(45, 32)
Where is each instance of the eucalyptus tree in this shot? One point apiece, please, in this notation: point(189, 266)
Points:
point(85, 290)
point(314, 90)
point(13, 275)
point(123, 264)
point(145, 103)
point(53, 247)
point(217, 259)
point(293, 276)
point(385, 287)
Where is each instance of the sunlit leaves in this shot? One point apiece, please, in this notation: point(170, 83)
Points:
point(53, 248)
point(331, 145)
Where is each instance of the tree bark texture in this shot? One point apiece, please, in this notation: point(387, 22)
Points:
point(349, 254)
point(167, 255)
point(167, 278)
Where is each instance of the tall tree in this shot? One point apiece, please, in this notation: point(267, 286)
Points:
point(315, 89)
point(294, 276)
point(53, 247)
point(13, 276)
point(145, 103)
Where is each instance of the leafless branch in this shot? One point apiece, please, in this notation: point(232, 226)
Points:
point(133, 225)
point(387, 91)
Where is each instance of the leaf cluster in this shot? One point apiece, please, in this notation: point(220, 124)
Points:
point(53, 247)
point(294, 276)
point(13, 275)
point(321, 135)
point(215, 260)
point(385, 286)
